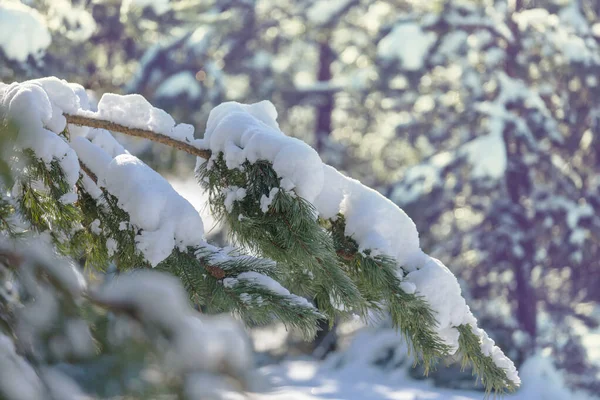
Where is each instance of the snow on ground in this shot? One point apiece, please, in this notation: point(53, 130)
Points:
point(307, 379)
point(358, 378)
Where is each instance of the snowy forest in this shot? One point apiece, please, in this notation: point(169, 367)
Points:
point(299, 199)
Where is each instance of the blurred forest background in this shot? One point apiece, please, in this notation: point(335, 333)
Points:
point(480, 118)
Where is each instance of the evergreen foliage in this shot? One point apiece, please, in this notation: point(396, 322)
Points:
point(287, 231)
point(483, 366)
point(378, 282)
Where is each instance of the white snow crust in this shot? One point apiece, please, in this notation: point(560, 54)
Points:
point(134, 111)
point(250, 132)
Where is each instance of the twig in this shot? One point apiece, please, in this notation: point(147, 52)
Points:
point(89, 172)
point(142, 133)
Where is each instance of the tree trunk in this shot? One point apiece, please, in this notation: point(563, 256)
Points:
point(324, 101)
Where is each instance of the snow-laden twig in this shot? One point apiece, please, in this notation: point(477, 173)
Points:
point(141, 133)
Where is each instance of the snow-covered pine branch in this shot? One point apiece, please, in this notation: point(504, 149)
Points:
point(131, 216)
point(278, 176)
point(333, 239)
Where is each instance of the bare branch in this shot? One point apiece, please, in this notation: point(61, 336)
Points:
point(88, 172)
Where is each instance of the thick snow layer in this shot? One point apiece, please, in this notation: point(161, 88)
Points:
point(37, 108)
point(134, 111)
point(250, 132)
point(103, 139)
point(372, 220)
point(434, 281)
point(23, 31)
point(408, 44)
point(167, 220)
point(441, 289)
point(84, 104)
point(189, 189)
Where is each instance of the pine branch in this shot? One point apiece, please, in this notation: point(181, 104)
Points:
point(493, 378)
point(141, 133)
point(377, 279)
point(287, 233)
point(88, 172)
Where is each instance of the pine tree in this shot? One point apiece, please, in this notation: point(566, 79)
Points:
point(303, 231)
